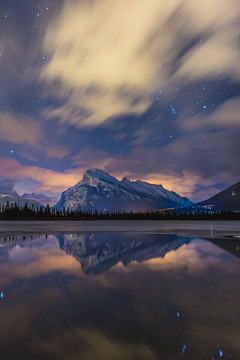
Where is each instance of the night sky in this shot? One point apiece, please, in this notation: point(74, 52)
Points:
point(148, 89)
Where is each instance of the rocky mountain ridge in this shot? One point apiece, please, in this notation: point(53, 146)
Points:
point(100, 191)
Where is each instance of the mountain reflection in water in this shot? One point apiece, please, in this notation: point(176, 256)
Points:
point(98, 254)
point(155, 297)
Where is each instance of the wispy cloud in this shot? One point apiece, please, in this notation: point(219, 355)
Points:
point(90, 158)
point(106, 59)
point(20, 129)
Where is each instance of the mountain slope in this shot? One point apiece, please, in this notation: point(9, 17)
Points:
point(103, 192)
point(228, 199)
point(12, 199)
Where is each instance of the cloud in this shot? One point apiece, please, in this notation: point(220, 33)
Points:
point(90, 158)
point(20, 129)
point(204, 138)
point(46, 180)
point(220, 53)
point(124, 50)
point(226, 116)
point(57, 152)
point(189, 184)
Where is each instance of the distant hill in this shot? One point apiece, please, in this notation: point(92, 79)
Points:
point(12, 199)
point(100, 191)
point(228, 199)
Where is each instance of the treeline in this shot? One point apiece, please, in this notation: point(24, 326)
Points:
point(14, 212)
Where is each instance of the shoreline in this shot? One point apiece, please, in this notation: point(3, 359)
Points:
point(184, 228)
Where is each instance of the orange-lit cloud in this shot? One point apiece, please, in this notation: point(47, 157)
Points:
point(47, 180)
point(123, 51)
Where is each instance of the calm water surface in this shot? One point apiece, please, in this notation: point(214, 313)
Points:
point(119, 297)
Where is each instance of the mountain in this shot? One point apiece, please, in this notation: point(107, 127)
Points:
point(103, 192)
point(228, 199)
point(12, 199)
point(98, 253)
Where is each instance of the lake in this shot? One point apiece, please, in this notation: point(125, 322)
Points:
point(119, 296)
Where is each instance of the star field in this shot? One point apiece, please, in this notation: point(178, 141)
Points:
point(150, 98)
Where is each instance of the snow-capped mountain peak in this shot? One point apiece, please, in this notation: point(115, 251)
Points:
point(100, 191)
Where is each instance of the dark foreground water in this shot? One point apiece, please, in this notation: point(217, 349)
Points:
point(119, 297)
